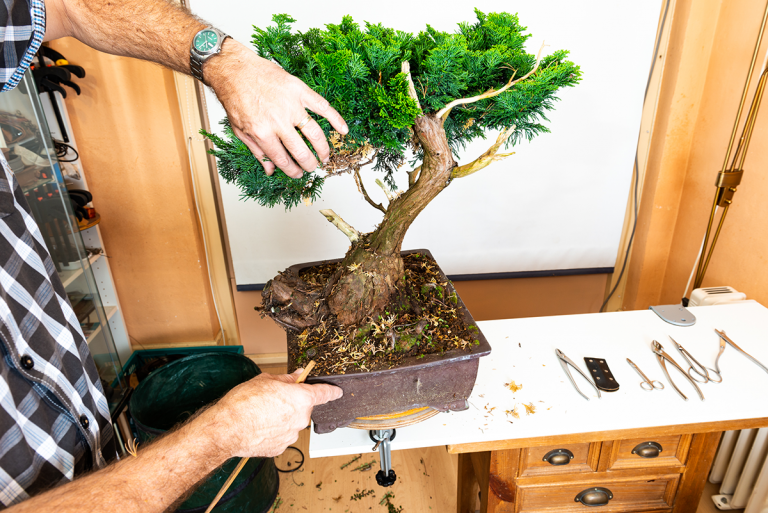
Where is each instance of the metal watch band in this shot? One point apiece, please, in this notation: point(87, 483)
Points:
point(196, 59)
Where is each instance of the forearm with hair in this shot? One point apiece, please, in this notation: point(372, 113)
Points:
point(154, 30)
point(151, 482)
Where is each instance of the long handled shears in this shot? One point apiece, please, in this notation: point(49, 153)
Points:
point(696, 368)
point(663, 357)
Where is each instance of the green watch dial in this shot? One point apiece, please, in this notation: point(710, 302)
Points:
point(205, 40)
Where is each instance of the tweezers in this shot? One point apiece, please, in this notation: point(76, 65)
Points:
point(737, 348)
point(661, 355)
point(564, 362)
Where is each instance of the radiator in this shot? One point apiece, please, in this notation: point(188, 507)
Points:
point(741, 469)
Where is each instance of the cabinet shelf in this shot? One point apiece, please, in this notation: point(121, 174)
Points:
point(110, 311)
point(67, 277)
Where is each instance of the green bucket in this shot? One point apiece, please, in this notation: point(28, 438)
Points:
point(172, 394)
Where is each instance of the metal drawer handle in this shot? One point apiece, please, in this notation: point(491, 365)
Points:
point(647, 449)
point(558, 457)
point(594, 496)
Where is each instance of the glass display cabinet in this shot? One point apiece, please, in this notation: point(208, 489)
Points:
point(31, 153)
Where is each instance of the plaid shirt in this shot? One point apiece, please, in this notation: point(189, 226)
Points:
point(22, 27)
point(54, 417)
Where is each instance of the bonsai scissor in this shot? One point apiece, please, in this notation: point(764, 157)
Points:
point(649, 385)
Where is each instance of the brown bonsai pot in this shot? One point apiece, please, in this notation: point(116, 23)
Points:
point(441, 381)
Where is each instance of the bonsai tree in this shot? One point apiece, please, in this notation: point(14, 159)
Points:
point(424, 95)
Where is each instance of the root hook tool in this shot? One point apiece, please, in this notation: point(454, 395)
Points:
point(564, 362)
point(661, 355)
point(737, 348)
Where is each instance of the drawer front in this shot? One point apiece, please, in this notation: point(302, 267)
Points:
point(585, 459)
point(630, 494)
point(673, 453)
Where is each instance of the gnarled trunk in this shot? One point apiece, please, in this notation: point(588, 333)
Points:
point(368, 276)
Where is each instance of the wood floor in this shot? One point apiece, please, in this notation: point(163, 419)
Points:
point(321, 484)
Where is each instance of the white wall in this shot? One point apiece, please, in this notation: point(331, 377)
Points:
point(558, 203)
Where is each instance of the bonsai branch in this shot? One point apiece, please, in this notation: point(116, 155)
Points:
point(341, 224)
point(445, 111)
point(361, 188)
point(390, 196)
point(491, 155)
point(413, 176)
point(406, 68)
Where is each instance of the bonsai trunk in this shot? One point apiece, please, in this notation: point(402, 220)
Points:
point(368, 276)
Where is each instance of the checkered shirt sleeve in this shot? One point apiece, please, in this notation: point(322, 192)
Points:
point(22, 27)
point(53, 411)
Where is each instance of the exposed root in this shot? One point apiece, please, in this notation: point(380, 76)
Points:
point(291, 303)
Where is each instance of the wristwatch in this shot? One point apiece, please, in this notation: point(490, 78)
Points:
point(205, 44)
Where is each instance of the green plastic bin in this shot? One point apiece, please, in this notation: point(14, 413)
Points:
point(173, 393)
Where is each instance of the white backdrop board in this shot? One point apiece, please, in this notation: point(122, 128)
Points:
point(558, 203)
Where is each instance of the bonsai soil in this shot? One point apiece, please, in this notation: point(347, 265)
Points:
point(421, 319)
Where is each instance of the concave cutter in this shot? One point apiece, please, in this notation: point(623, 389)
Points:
point(564, 363)
point(661, 355)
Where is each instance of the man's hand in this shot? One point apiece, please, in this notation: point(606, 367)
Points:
point(262, 417)
point(265, 105)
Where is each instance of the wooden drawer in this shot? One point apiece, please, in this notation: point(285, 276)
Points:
point(618, 454)
point(585, 459)
point(633, 494)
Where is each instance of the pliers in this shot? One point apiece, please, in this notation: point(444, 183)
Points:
point(564, 362)
point(661, 355)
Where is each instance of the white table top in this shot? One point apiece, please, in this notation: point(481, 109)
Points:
point(524, 351)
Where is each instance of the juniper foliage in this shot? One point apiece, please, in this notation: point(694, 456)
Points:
point(358, 70)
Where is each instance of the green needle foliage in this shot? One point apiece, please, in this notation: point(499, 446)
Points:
point(358, 70)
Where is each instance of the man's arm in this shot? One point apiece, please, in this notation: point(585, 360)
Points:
point(263, 102)
point(258, 418)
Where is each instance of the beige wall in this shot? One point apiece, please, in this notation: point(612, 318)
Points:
point(711, 47)
point(128, 128)
point(486, 300)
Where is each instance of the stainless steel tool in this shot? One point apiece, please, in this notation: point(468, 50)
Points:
point(661, 355)
point(701, 371)
point(733, 344)
point(717, 360)
point(648, 385)
point(564, 362)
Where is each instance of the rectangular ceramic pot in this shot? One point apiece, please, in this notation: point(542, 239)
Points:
point(443, 382)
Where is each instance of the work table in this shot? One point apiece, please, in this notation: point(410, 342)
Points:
point(524, 352)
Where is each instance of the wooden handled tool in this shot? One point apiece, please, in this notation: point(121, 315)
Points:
point(243, 461)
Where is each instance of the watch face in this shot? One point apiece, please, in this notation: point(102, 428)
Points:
point(205, 41)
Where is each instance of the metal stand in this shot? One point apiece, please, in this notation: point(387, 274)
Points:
point(386, 476)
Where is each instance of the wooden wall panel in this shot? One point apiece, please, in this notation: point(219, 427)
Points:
point(702, 88)
point(129, 132)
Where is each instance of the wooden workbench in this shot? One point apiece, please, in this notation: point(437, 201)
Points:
point(503, 454)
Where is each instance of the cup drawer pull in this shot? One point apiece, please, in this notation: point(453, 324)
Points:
point(558, 457)
point(594, 496)
point(647, 449)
